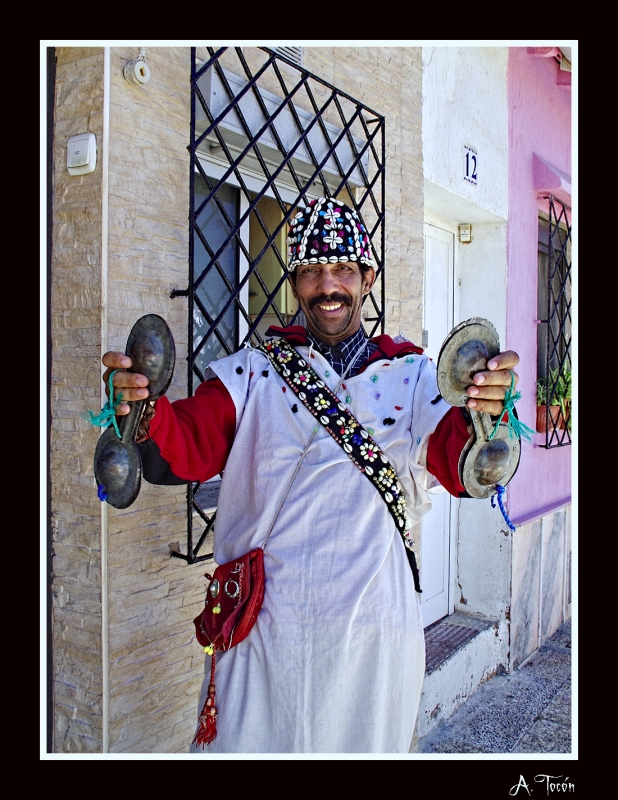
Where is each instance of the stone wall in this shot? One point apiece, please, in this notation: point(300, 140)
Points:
point(541, 581)
point(75, 387)
point(154, 664)
point(151, 598)
point(388, 80)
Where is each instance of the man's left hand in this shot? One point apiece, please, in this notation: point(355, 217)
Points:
point(490, 385)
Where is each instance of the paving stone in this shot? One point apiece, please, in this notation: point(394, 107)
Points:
point(561, 639)
point(552, 665)
point(559, 709)
point(545, 737)
point(452, 747)
point(526, 711)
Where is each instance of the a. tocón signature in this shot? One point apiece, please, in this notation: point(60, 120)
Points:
point(553, 784)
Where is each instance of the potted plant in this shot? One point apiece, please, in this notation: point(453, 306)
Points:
point(546, 415)
point(563, 392)
point(558, 384)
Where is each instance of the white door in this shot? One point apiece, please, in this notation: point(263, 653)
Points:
point(438, 313)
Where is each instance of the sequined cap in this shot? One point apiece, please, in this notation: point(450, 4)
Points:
point(326, 231)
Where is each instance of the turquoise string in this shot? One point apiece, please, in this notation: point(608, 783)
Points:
point(516, 428)
point(107, 415)
point(501, 492)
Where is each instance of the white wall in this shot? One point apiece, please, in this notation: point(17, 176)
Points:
point(465, 103)
point(484, 557)
point(481, 273)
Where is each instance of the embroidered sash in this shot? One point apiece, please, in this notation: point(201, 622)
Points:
point(346, 430)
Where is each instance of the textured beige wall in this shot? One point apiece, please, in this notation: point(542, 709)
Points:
point(388, 80)
point(155, 668)
point(75, 386)
point(155, 665)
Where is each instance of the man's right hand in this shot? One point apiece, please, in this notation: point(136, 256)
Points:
point(130, 384)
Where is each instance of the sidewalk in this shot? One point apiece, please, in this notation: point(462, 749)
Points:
point(526, 711)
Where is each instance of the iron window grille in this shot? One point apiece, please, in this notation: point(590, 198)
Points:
point(266, 136)
point(293, 54)
point(554, 323)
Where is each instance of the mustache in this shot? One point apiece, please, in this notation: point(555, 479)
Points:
point(336, 297)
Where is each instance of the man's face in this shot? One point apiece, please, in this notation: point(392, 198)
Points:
point(330, 296)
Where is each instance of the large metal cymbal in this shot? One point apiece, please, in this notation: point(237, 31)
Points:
point(466, 350)
point(150, 347)
point(117, 462)
point(484, 463)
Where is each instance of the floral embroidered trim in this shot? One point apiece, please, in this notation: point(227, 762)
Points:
point(341, 424)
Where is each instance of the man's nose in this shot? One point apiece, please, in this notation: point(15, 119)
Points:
point(327, 283)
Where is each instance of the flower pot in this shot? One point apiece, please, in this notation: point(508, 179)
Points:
point(564, 419)
point(541, 418)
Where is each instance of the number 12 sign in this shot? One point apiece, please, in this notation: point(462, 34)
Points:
point(470, 163)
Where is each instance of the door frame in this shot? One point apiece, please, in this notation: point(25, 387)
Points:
point(434, 223)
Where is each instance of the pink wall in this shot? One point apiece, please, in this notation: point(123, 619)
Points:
point(540, 122)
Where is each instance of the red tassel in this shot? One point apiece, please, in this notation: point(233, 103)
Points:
point(207, 723)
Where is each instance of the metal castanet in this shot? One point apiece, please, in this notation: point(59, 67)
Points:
point(484, 463)
point(117, 462)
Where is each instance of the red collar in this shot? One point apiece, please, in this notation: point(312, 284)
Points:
point(295, 334)
point(387, 348)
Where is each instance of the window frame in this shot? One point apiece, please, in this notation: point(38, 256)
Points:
point(554, 338)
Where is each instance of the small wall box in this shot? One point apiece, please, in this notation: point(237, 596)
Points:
point(82, 154)
point(465, 233)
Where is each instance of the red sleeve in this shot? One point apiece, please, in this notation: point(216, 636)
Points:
point(194, 436)
point(444, 449)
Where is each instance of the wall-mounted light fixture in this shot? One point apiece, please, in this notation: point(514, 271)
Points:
point(465, 233)
point(137, 71)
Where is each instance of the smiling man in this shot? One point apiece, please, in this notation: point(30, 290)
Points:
point(335, 661)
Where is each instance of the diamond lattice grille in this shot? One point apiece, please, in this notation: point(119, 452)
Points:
point(267, 137)
point(556, 326)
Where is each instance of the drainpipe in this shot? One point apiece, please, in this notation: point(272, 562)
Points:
point(104, 349)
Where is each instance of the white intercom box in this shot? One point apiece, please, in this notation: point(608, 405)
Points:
point(82, 154)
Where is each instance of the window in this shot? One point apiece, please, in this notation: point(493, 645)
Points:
point(215, 289)
point(554, 325)
point(267, 136)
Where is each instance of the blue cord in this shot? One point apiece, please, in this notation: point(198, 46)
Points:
point(501, 492)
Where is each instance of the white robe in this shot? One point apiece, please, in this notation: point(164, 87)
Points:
point(335, 661)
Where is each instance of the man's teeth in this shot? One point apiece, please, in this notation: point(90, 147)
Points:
point(332, 307)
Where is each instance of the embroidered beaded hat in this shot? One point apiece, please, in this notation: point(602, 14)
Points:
point(325, 231)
